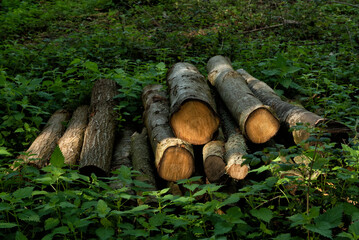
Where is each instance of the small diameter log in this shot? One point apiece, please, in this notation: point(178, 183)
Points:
point(193, 116)
point(42, 148)
point(122, 157)
point(235, 146)
point(292, 115)
point(213, 161)
point(99, 136)
point(173, 157)
point(70, 143)
point(141, 158)
point(256, 121)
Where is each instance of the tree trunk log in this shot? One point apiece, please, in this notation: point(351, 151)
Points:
point(193, 116)
point(235, 146)
point(173, 157)
point(99, 136)
point(213, 161)
point(122, 150)
point(256, 121)
point(71, 142)
point(43, 146)
point(292, 115)
point(141, 158)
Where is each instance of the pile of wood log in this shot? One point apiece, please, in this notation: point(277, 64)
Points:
point(219, 116)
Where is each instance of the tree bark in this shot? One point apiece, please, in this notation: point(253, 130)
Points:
point(99, 136)
point(235, 146)
point(292, 115)
point(173, 157)
point(141, 158)
point(213, 161)
point(256, 121)
point(40, 151)
point(71, 142)
point(193, 116)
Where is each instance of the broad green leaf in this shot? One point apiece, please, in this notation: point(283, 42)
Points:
point(20, 236)
point(3, 151)
point(61, 230)
point(354, 228)
point(157, 220)
point(322, 229)
point(234, 215)
point(283, 236)
point(105, 233)
point(29, 216)
point(57, 159)
point(264, 214)
point(23, 192)
point(102, 209)
point(222, 227)
point(7, 225)
point(285, 82)
point(331, 218)
point(91, 66)
point(75, 61)
point(4, 206)
point(50, 223)
point(271, 72)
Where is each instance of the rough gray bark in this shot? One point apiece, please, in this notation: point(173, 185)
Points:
point(256, 121)
point(193, 116)
point(141, 158)
point(40, 151)
point(71, 142)
point(99, 136)
point(292, 115)
point(173, 157)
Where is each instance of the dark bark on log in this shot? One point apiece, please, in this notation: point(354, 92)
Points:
point(213, 161)
point(292, 115)
point(193, 116)
point(122, 150)
point(40, 151)
point(173, 157)
point(235, 146)
point(141, 158)
point(122, 157)
point(71, 142)
point(256, 121)
point(99, 136)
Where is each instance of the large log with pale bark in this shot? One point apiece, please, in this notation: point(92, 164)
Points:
point(99, 136)
point(40, 151)
point(193, 116)
point(71, 142)
point(173, 157)
point(291, 115)
point(256, 121)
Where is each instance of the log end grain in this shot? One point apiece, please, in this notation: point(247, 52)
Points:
point(177, 163)
point(195, 122)
point(237, 171)
point(214, 168)
point(261, 125)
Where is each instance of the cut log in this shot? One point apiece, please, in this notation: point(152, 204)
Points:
point(122, 150)
point(235, 146)
point(292, 115)
point(70, 143)
point(256, 121)
point(173, 157)
point(39, 153)
point(213, 161)
point(193, 116)
point(141, 158)
point(99, 136)
point(122, 157)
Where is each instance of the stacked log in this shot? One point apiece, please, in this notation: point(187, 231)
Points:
point(173, 156)
point(256, 121)
point(40, 151)
point(292, 115)
point(193, 116)
point(71, 142)
point(99, 136)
